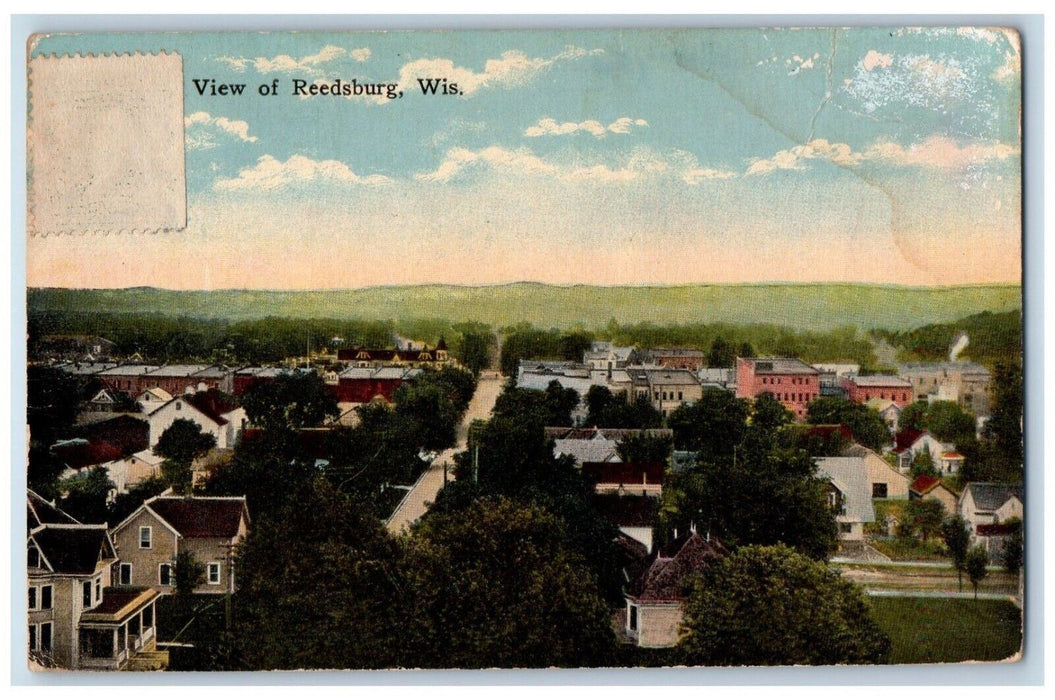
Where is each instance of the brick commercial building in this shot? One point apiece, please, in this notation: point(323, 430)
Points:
point(792, 382)
point(879, 386)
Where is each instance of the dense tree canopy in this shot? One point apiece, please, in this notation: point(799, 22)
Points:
point(769, 606)
point(319, 587)
point(608, 410)
point(292, 401)
point(495, 585)
point(866, 425)
point(712, 426)
point(757, 492)
point(180, 444)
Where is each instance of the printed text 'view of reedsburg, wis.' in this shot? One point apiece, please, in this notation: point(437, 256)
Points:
point(524, 349)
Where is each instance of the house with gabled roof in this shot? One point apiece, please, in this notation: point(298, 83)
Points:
point(208, 528)
point(884, 479)
point(215, 413)
point(849, 494)
point(909, 443)
point(654, 599)
point(76, 618)
point(925, 487)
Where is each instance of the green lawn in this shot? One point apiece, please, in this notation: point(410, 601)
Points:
point(936, 630)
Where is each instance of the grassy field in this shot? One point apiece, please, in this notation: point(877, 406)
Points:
point(936, 630)
point(804, 306)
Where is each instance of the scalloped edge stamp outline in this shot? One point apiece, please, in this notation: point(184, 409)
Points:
point(104, 143)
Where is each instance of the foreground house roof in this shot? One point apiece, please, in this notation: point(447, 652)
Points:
point(217, 517)
point(73, 549)
point(665, 579)
point(42, 512)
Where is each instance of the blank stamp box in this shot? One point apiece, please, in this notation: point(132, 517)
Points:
point(105, 144)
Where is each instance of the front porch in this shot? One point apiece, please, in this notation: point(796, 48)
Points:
point(120, 627)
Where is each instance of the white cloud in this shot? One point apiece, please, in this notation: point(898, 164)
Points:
point(269, 173)
point(201, 127)
point(641, 164)
point(284, 63)
point(360, 55)
point(550, 127)
point(934, 152)
point(873, 59)
point(939, 152)
point(512, 68)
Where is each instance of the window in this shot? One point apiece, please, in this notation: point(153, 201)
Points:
point(124, 575)
point(879, 491)
point(32, 637)
point(145, 537)
point(86, 594)
point(45, 597)
point(632, 622)
point(179, 405)
point(98, 589)
point(165, 574)
point(679, 396)
point(45, 636)
point(846, 528)
point(214, 573)
point(32, 597)
point(832, 498)
point(33, 558)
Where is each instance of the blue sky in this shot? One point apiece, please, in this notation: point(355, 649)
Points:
point(640, 157)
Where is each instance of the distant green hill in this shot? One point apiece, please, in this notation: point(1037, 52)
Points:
point(805, 306)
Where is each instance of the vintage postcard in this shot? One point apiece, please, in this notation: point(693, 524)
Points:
point(524, 349)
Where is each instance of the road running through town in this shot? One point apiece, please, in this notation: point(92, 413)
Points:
point(424, 491)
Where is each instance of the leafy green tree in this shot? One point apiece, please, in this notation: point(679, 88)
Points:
point(1013, 547)
point(319, 587)
point(722, 354)
point(436, 402)
point(381, 450)
point(866, 425)
point(475, 351)
point(924, 516)
point(923, 465)
point(913, 417)
point(949, 423)
point(1003, 430)
point(762, 494)
point(87, 495)
point(189, 573)
point(291, 402)
point(608, 410)
point(180, 444)
point(495, 585)
point(644, 448)
point(957, 539)
point(711, 426)
point(976, 564)
point(574, 344)
point(731, 616)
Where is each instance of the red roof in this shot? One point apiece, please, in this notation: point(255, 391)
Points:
point(200, 517)
point(80, 455)
point(953, 455)
point(213, 404)
point(828, 430)
point(923, 484)
point(905, 439)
